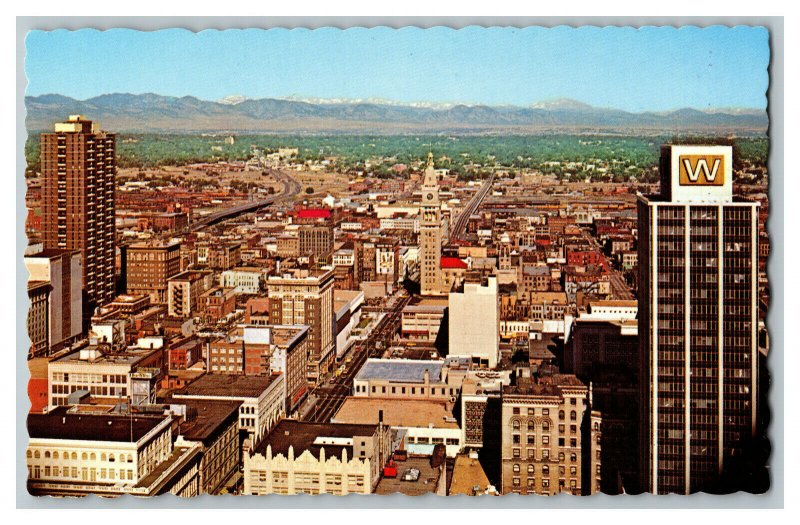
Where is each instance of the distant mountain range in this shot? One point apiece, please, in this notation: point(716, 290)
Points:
point(124, 112)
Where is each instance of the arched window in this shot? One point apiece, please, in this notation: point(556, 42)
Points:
point(516, 467)
point(46, 454)
point(546, 426)
point(93, 456)
point(560, 414)
point(545, 470)
point(530, 424)
point(111, 458)
point(130, 458)
point(74, 456)
point(103, 457)
point(530, 469)
point(573, 416)
point(36, 454)
point(515, 424)
point(29, 454)
point(84, 456)
point(55, 454)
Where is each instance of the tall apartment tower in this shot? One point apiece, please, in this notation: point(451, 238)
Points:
point(78, 169)
point(305, 297)
point(430, 235)
point(698, 249)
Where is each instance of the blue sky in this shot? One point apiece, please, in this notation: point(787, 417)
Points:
point(637, 70)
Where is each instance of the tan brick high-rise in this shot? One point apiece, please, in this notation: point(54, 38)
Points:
point(78, 170)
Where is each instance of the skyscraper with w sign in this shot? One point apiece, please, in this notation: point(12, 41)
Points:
point(698, 249)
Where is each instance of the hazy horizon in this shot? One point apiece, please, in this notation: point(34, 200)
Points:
point(651, 69)
point(429, 104)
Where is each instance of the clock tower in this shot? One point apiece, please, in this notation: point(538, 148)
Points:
point(430, 236)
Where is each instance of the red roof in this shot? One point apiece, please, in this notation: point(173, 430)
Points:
point(453, 262)
point(314, 213)
point(37, 394)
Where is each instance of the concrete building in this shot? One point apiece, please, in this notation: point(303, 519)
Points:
point(75, 452)
point(424, 423)
point(474, 323)
point(347, 304)
point(698, 249)
point(149, 266)
point(314, 458)
point(422, 321)
point(261, 397)
point(107, 377)
point(184, 290)
point(38, 318)
point(248, 281)
point(410, 379)
point(214, 426)
point(550, 438)
point(56, 279)
point(602, 349)
point(78, 166)
point(305, 297)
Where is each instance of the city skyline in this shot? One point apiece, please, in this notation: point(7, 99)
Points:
point(635, 70)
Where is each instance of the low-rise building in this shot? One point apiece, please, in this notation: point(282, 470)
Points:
point(424, 423)
point(422, 321)
point(184, 290)
point(107, 377)
point(317, 458)
point(217, 303)
point(408, 379)
point(261, 397)
point(249, 281)
point(72, 452)
point(214, 426)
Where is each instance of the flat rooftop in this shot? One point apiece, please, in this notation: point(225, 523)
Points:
point(301, 436)
point(61, 423)
point(208, 418)
point(399, 370)
point(130, 356)
point(224, 385)
point(396, 413)
point(426, 482)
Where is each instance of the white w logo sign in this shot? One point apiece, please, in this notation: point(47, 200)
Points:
point(710, 167)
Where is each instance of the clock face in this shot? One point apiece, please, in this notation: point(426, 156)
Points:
point(429, 196)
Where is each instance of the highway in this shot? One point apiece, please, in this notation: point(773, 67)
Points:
point(330, 396)
point(290, 188)
point(460, 225)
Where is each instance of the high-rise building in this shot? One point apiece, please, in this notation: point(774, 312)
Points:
point(698, 250)
point(78, 170)
point(149, 266)
point(57, 275)
point(430, 235)
point(305, 297)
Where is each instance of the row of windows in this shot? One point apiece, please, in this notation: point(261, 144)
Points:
point(73, 456)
